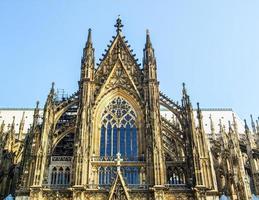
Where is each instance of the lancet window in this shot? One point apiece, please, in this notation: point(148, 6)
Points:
point(175, 175)
point(118, 130)
point(60, 176)
point(119, 134)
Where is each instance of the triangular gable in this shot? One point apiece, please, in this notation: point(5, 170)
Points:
point(119, 77)
point(119, 189)
point(118, 50)
point(118, 46)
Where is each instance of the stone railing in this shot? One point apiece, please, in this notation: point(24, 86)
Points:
point(56, 186)
point(113, 158)
point(176, 186)
point(108, 186)
point(61, 158)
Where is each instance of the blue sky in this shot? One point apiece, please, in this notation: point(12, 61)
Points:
point(212, 46)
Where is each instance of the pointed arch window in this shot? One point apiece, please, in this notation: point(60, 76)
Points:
point(54, 175)
point(67, 176)
point(119, 130)
point(175, 175)
point(119, 134)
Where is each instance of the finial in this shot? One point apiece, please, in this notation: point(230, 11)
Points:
point(23, 115)
point(257, 126)
point(235, 128)
point(52, 90)
point(13, 123)
point(246, 127)
point(252, 123)
point(212, 128)
point(89, 37)
point(118, 161)
point(37, 104)
point(198, 106)
point(118, 25)
point(2, 128)
point(220, 126)
point(148, 40)
point(184, 89)
point(229, 126)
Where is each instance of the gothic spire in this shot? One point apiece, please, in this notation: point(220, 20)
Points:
point(149, 60)
point(257, 126)
point(89, 37)
point(253, 124)
point(52, 90)
point(246, 126)
point(2, 129)
point(235, 125)
point(51, 94)
point(247, 132)
point(234, 122)
point(35, 115)
point(36, 109)
point(37, 104)
point(220, 126)
point(148, 41)
point(10, 136)
point(230, 127)
point(212, 128)
point(87, 64)
point(199, 115)
point(185, 97)
point(257, 133)
point(148, 50)
point(249, 137)
point(21, 127)
point(88, 46)
point(13, 124)
point(118, 25)
point(184, 90)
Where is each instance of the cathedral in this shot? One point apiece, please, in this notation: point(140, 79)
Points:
point(118, 137)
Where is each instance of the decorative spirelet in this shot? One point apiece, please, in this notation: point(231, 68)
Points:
point(118, 25)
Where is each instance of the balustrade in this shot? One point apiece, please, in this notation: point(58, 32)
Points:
point(113, 158)
point(61, 158)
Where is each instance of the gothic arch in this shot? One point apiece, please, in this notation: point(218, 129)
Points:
point(62, 110)
point(176, 112)
point(68, 139)
point(119, 78)
point(172, 134)
point(97, 116)
point(61, 136)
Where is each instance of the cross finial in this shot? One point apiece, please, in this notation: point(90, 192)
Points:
point(118, 24)
point(118, 161)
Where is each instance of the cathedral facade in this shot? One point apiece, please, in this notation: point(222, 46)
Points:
point(120, 138)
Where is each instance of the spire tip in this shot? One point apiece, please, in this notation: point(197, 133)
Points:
point(118, 25)
point(37, 104)
point(89, 37)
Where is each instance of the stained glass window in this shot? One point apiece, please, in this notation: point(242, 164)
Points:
point(119, 135)
point(118, 130)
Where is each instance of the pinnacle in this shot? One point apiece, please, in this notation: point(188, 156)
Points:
point(246, 126)
point(148, 40)
point(89, 37)
point(118, 25)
